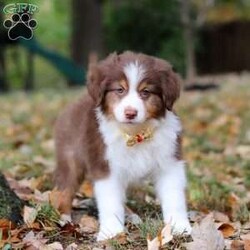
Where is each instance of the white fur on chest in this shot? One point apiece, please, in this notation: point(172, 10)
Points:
point(144, 159)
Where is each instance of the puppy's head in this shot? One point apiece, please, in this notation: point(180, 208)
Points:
point(133, 88)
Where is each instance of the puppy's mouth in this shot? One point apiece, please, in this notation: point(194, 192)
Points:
point(130, 122)
point(133, 127)
point(135, 121)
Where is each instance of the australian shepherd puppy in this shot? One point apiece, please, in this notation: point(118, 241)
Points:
point(121, 131)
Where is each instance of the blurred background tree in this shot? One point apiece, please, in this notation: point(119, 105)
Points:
point(149, 26)
point(194, 35)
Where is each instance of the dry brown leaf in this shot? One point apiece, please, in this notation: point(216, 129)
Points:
point(243, 151)
point(246, 240)
point(48, 145)
point(8, 235)
point(29, 215)
point(153, 244)
point(166, 235)
point(87, 189)
point(52, 246)
point(245, 236)
point(247, 244)
point(132, 217)
point(4, 223)
point(206, 236)
point(72, 246)
point(121, 238)
point(41, 197)
point(33, 241)
point(162, 238)
point(220, 217)
point(22, 190)
point(233, 199)
point(32, 183)
point(88, 224)
point(56, 198)
point(237, 245)
point(5, 227)
point(227, 230)
point(43, 161)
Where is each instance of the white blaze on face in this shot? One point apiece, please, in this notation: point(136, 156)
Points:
point(134, 74)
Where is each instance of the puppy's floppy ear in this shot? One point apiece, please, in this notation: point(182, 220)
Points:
point(170, 82)
point(99, 76)
point(95, 83)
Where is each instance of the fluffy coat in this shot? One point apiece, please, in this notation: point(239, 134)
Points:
point(127, 94)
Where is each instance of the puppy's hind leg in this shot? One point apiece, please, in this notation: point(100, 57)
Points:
point(67, 178)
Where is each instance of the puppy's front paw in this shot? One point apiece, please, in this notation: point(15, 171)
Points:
point(109, 232)
point(181, 227)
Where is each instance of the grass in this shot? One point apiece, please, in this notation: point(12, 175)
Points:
point(48, 213)
point(216, 124)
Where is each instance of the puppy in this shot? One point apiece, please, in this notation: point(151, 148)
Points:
point(121, 131)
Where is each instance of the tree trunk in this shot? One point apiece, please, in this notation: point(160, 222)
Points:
point(10, 204)
point(87, 35)
point(189, 38)
point(117, 3)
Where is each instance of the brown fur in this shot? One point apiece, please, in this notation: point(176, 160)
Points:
point(79, 146)
point(79, 149)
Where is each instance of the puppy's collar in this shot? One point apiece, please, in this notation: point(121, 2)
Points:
point(143, 136)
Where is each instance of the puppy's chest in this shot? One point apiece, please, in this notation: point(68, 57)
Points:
point(140, 160)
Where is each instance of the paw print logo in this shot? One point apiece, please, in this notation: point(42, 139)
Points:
point(20, 26)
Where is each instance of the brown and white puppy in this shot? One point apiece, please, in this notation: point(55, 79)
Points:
point(120, 132)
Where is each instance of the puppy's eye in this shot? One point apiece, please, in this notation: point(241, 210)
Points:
point(120, 90)
point(145, 93)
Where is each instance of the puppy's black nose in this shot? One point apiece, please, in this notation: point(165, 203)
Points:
point(130, 113)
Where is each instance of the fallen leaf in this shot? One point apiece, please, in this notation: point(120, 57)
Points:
point(161, 239)
point(34, 241)
point(42, 197)
point(227, 230)
point(5, 228)
point(247, 244)
point(29, 215)
point(153, 244)
point(4, 223)
point(195, 216)
point(233, 201)
point(21, 189)
point(206, 236)
point(72, 246)
point(56, 198)
point(245, 236)
point(87, 189)
point(246, 240)
point(121, 238)
point(52, 246)
point(70, 229)
point(132, 217)
point(237, 245)
point(166, 235)
point(88, 224)
point(243, 151)
point(220, 217)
